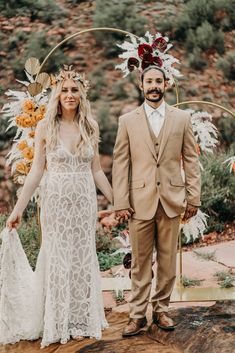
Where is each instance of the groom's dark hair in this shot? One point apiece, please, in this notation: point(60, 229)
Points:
point(152, 67)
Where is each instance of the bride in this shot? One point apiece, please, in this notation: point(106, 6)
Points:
point(65, 298)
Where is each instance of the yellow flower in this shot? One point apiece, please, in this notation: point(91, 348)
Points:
point(22, 167)
point(39, 117)
point(42, 109)
point(33, 120)
point(20, 120)
point(31, 134)
point(28, 106)
point(22, 145)
point(28, 153)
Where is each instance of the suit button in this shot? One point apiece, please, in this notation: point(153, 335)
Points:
point(158, 165)
point(158, 183)
point(157, 144)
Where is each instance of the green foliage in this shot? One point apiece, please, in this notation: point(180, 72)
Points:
point(196, 60)
point(107, 260)
point(119, 91)
point(45, 10)
point(98, 84)
point(189, 282)
point(119, 296)
point(120, 14)
point(199, 26)
point(207, 256)
point(5, 137)
point(108, 129)
point(103, 239)
point(225, 14)
point(225, 278)
point(38, 45)
point(205, 37)
point(16, 40)
point(226, 127)
point(227, 65)
point(218, 13)
point(29, 236)
point(218, 190)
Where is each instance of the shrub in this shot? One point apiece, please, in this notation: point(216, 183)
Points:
point(39, 46)
point(205, 37)
point(226, 279)
point(196, 60)
point(119, 91)
point(45, 10)
point(121, 14)
point(226, 127)
point(108, 129)
point(103, 239)
point(227, 65)
point(199, 26)
point(218, 190)
point(6, 137)
point(107, 260)
point(225, 14)
point(219, 13)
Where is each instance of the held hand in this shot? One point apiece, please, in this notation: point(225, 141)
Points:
point(14, 220)
point(124, 215)
point(190, 212)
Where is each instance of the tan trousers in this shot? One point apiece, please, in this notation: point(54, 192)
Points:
point(161, 232)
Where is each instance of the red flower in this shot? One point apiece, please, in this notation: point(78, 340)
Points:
point(159, 44)
point(144, 49)
point(132, 64)
point(157, 61)
point(147, 60)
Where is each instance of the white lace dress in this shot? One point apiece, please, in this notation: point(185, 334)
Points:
point(65, 286)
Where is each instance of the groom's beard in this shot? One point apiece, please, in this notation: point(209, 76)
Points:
point(158, 98)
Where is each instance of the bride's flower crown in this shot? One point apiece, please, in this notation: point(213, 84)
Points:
point(67, 73)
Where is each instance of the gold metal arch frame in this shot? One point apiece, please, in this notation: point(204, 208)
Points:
point(180, 293)
point(205, 103)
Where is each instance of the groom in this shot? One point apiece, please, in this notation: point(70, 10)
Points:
point(149, 189)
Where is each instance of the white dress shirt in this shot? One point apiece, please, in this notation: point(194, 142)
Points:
point(155, 117)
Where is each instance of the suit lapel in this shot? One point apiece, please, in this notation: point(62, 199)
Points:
point(166, 129)
point(144, 129)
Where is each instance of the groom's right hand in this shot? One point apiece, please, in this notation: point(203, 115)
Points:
point(124, 215)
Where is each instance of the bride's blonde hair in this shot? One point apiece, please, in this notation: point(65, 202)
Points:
point(86, 124)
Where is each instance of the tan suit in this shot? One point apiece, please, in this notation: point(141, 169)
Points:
point(146, 171)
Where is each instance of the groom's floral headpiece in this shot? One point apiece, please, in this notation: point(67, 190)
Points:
point(151, 50)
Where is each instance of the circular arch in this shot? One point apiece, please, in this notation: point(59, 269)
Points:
point(109, 29)
point(206, 103)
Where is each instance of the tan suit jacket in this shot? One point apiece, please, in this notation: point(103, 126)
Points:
point(141, 177)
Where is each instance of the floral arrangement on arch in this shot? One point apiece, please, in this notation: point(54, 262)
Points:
point(24, 111)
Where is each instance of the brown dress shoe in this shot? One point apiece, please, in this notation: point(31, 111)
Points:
point(134, 327)
point(163, 321)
